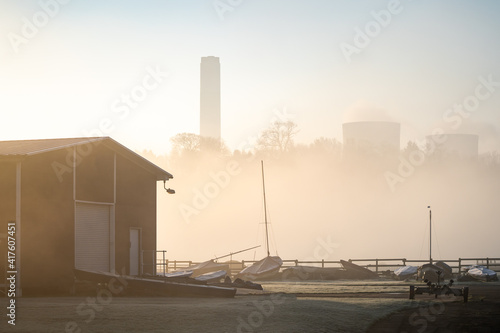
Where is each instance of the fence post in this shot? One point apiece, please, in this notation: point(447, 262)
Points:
point(488, 263)
point(296, 262)
point(459, 266)
point(376, 265)
point(163, 263)
point(322, 263)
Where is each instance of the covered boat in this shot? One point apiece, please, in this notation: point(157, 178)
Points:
point(208, 266)
point(212, 277)
point(358, 272)
point(269, 266)
point(482, 273)
point(301, 273)
point(430, 272)
point(262, 269)
point(177, 274)
point(405, 272)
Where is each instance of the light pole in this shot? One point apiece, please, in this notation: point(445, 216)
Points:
point(430, 234)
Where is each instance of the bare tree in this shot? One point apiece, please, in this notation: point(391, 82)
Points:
point(278, 137)
point(327, 145)
point(213, 146)
point(185, 142)
point(196, 146)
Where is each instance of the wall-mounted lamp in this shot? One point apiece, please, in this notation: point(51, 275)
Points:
point(169, 190)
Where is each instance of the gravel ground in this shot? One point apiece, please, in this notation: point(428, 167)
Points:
point(279, 312)
point(263, 313)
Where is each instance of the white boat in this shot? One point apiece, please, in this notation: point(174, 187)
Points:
point(177, 274)
point(212, 277)
point(208, 266)
point(268, 266)
point(405, 272)
point(262, 269)
point(482, 273)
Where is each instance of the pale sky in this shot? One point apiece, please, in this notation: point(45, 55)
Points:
point(68, 69)
point(65, 78)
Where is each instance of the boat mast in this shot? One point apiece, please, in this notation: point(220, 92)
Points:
point(265, 208)
point(230, 254)
point(430, 234)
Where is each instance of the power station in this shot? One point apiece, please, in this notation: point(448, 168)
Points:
point(210, 118)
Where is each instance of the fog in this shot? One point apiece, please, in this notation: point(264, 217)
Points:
point(324, 206)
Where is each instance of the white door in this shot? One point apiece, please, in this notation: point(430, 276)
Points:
point(135, 243)
point(92, 247)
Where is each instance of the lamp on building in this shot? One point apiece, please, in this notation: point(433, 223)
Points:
point(169, 190)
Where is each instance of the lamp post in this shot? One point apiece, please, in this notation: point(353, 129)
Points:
point(430, 234)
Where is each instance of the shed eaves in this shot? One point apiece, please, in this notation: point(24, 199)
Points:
point(32, 147)
point(24, 148)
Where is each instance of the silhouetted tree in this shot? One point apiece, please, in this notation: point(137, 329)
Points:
point(213, 146)
point(185, 142)
point(411, 146)
point(327, 146)
point(278, 137)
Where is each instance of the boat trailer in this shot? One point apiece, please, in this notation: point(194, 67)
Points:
point(438, 289)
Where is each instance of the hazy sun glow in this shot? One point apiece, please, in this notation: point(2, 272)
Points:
point(130, 70)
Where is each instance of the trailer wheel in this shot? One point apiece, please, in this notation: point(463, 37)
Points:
point(466, 294)
point(412, 292)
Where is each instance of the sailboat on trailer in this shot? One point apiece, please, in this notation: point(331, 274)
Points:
point(270, 265)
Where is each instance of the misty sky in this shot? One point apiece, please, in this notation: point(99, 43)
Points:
point(67, 76)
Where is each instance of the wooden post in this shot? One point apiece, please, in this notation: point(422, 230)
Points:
point(165, 269)
point(487, 263)
point(323, 263)
point(376, 265)
point(459, 265)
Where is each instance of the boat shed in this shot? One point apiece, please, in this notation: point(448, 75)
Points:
point(86, 203)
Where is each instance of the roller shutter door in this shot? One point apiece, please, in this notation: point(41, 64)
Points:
point(92, 237)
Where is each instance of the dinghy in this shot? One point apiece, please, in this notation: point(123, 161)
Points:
point(358, 272)
point(482, 273)
point(405, 272)
point(269, 266)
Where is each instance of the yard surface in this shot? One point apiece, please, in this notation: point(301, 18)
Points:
point(293, 312)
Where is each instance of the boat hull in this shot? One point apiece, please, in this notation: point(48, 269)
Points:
point(483, 274)
point(263, 269)
point(429, 272)
point(405, 272)
point(311, 273)
point(358, 272)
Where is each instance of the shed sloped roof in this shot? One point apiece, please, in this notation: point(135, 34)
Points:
point(24, 148)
